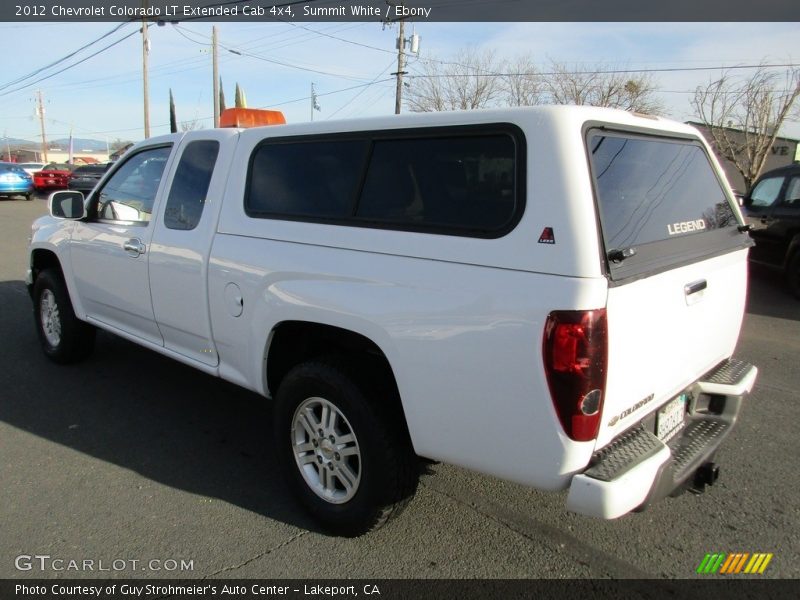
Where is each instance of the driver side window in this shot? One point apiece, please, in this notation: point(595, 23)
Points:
point(131, 191)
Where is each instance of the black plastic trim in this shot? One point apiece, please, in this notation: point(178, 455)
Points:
point(510, 129)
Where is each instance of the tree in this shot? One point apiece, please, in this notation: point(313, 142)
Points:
point(117, 144)
point(594, 86)
point(191, 125)
point(743, 115)
point(239, 100)
point(221, 96)
point(522, 84)
point(173, 119)
point(474, 79)
point(468, 81)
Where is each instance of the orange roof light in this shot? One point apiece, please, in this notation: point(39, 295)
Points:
point(250, 117)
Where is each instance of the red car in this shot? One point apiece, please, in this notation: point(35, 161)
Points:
point(53, 176)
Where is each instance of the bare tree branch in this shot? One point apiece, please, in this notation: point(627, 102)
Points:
point(592, 86)
point(467, 81)
point(743, 116)
point(522, 84)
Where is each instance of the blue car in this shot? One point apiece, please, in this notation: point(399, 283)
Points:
point(14, 181)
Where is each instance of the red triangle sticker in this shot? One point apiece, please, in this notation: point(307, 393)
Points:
point(547, 236)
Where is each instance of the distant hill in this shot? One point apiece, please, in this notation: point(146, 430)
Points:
point(16, 142)
point(79, 144)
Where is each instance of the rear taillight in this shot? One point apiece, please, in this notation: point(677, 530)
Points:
point(576, 357)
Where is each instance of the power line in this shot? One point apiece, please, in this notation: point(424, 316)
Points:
point(340, 39)
point(62, 59)
point(363, 89)
point(75, 64)
point(208, 118)
point(274, 61)
point(609, 71)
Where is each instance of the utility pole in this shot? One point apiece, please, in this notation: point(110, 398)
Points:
point(215, 72)
point(401, 59)
point(314, 103)
point(40, 112)
point(145, 83)
point(413, 41)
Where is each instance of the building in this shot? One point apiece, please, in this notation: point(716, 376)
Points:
point(784, 152)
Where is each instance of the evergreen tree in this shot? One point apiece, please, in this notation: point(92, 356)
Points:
point(173, 120)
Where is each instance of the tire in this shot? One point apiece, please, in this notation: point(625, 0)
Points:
point(29, 196)
point(64, 338)
point(793, 274)
point(361, 472)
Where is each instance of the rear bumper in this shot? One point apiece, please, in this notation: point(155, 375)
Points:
point(637, 468)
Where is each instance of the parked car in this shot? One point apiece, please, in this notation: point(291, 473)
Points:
point(53, 176)
point(84, 178)
point(31, 167)
point(15, 182)
point(772, 210)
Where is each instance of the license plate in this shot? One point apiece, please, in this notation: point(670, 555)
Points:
point(671, 418)
point(51, 181)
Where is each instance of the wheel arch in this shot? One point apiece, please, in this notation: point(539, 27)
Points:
point(293, 342)
point(44, 258)
point(47, 257)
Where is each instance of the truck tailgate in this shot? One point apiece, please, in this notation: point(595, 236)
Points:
point(666, 331)
point(677, 270)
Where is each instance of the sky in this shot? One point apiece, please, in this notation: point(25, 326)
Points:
point(350, 65)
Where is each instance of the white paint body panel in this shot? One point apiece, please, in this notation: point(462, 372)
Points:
point(459, 319)
point(179, 261)
point(659, 343)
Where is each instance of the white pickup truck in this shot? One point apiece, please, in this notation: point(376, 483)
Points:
point(549, 295)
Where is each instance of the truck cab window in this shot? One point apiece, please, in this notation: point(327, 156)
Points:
point(187, 196)
point(130, 192)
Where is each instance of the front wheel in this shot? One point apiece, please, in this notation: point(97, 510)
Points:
point(347, 460)
point(64, 337)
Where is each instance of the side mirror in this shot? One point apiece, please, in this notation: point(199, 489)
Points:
point(66, 205)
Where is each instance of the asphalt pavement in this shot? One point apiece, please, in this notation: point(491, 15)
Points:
point(141, 465)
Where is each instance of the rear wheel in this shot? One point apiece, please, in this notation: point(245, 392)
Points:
point(64, 337)
point(346, 459)
point(29, 196)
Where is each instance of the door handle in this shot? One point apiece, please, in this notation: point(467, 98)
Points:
point(134, 247)
point(695, 286)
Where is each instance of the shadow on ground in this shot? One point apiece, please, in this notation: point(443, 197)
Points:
point(144, 412)
point(769, 295)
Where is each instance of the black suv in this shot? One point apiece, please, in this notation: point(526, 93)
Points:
point(84, 178)
point(773, 211)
